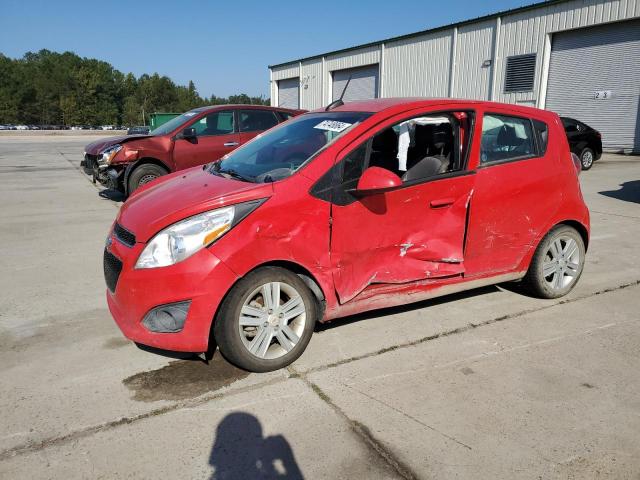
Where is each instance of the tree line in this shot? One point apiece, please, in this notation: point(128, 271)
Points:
point(64, 89)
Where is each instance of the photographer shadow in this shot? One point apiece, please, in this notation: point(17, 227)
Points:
point(240, 451)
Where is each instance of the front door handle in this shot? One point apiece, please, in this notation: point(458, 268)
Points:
point(231, 144)
point(442, 202)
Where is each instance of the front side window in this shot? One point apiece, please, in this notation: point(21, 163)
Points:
point(216, 123)
point(279, 152)
point(257, 120)
point(505, 138)
point(416, 149)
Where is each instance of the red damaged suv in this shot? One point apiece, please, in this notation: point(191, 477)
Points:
point(386, 202)
point(193, 138)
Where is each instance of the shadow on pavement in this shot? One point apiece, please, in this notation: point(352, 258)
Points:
point(241, 452)
point(111, 194)
point(629, 192)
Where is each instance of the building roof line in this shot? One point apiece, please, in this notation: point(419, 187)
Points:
point(524, 8)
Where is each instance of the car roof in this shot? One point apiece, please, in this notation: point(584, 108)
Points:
point(244, 106)
point(381, 104)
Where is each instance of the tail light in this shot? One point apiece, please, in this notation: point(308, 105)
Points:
point(576, 163)
point(598, 134)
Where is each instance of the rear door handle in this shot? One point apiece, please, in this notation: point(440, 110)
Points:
point(231, 144)
point(442, 202)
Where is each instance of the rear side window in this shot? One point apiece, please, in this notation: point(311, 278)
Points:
point(217, 123)
point(285, 116)
point(256, 120)
point(506, 138)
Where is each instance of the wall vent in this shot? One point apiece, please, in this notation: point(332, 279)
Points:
point(520, 73)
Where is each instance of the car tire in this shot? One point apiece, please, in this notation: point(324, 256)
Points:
point(144, 174)
point(557, 263)
point(256, 334)
point(587, 157)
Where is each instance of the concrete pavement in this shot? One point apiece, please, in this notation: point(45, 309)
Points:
point(486, 384)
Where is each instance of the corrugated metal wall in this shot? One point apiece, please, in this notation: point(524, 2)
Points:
point(311, 84)
point(418, 66)
point(474, 46)
point(421, 65)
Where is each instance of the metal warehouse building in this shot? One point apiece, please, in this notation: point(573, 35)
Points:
point(579, 58)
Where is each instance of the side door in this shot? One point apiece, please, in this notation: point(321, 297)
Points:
point(415, 232)
point(254, 121)
point(216, 135)
point(517, 190)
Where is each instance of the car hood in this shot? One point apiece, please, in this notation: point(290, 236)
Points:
point(97, 147)
point(179, 195)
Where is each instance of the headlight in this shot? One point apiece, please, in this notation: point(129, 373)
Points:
point(108, 154)
point(183, 239)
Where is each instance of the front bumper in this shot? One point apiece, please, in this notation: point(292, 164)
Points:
point(202, 279)
point(110, 177)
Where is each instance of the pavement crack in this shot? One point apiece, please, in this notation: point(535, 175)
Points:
point(54, 441)
point(410, 417)
point(469, 326)
point(615, 214)
point(361, 431)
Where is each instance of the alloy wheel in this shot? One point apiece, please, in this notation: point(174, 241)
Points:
point(272, 320)
point(587, 159)
point(562, 262)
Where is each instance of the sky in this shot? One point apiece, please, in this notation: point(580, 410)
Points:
point(224, 47)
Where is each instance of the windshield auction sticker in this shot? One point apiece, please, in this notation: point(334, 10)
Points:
point(332, 126)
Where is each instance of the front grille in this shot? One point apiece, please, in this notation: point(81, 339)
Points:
point(124, 235)
point(112, 267)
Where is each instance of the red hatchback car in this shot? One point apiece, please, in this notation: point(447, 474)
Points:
point(198, 136)
point(388, 202)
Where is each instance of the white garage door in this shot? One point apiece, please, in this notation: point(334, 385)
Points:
point(289, 93)
point(363, 84)
point(594, 76)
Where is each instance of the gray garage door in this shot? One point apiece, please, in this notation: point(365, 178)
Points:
point(289, 93)
point(363, 85)
point(594, 76)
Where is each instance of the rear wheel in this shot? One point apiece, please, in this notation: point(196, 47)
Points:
point(586, 158)
point(266, 320)
point(557, 263)
point(144, 174)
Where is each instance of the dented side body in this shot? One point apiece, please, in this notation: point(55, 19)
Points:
point(476, 227)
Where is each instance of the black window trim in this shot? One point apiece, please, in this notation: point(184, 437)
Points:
point(537, 154)
point(442, 176)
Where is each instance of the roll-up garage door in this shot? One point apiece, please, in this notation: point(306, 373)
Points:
point(594, 77)
point(289, 93)
point(363, 85)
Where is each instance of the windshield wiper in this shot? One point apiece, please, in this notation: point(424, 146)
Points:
point(233, 174)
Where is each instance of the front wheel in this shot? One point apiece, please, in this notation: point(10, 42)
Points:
point(586, 158)
point(557, 263)
point(266, 320)
point(144, 174)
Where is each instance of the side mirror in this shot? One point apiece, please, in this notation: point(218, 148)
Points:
point(377, 180)
point(187, 134)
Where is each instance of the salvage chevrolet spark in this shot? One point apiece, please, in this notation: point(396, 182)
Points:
point(358, 207)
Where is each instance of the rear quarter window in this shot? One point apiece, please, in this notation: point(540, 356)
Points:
point(506, 138)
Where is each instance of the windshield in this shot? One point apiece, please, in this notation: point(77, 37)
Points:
point(278, 153)
point(174, 123)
